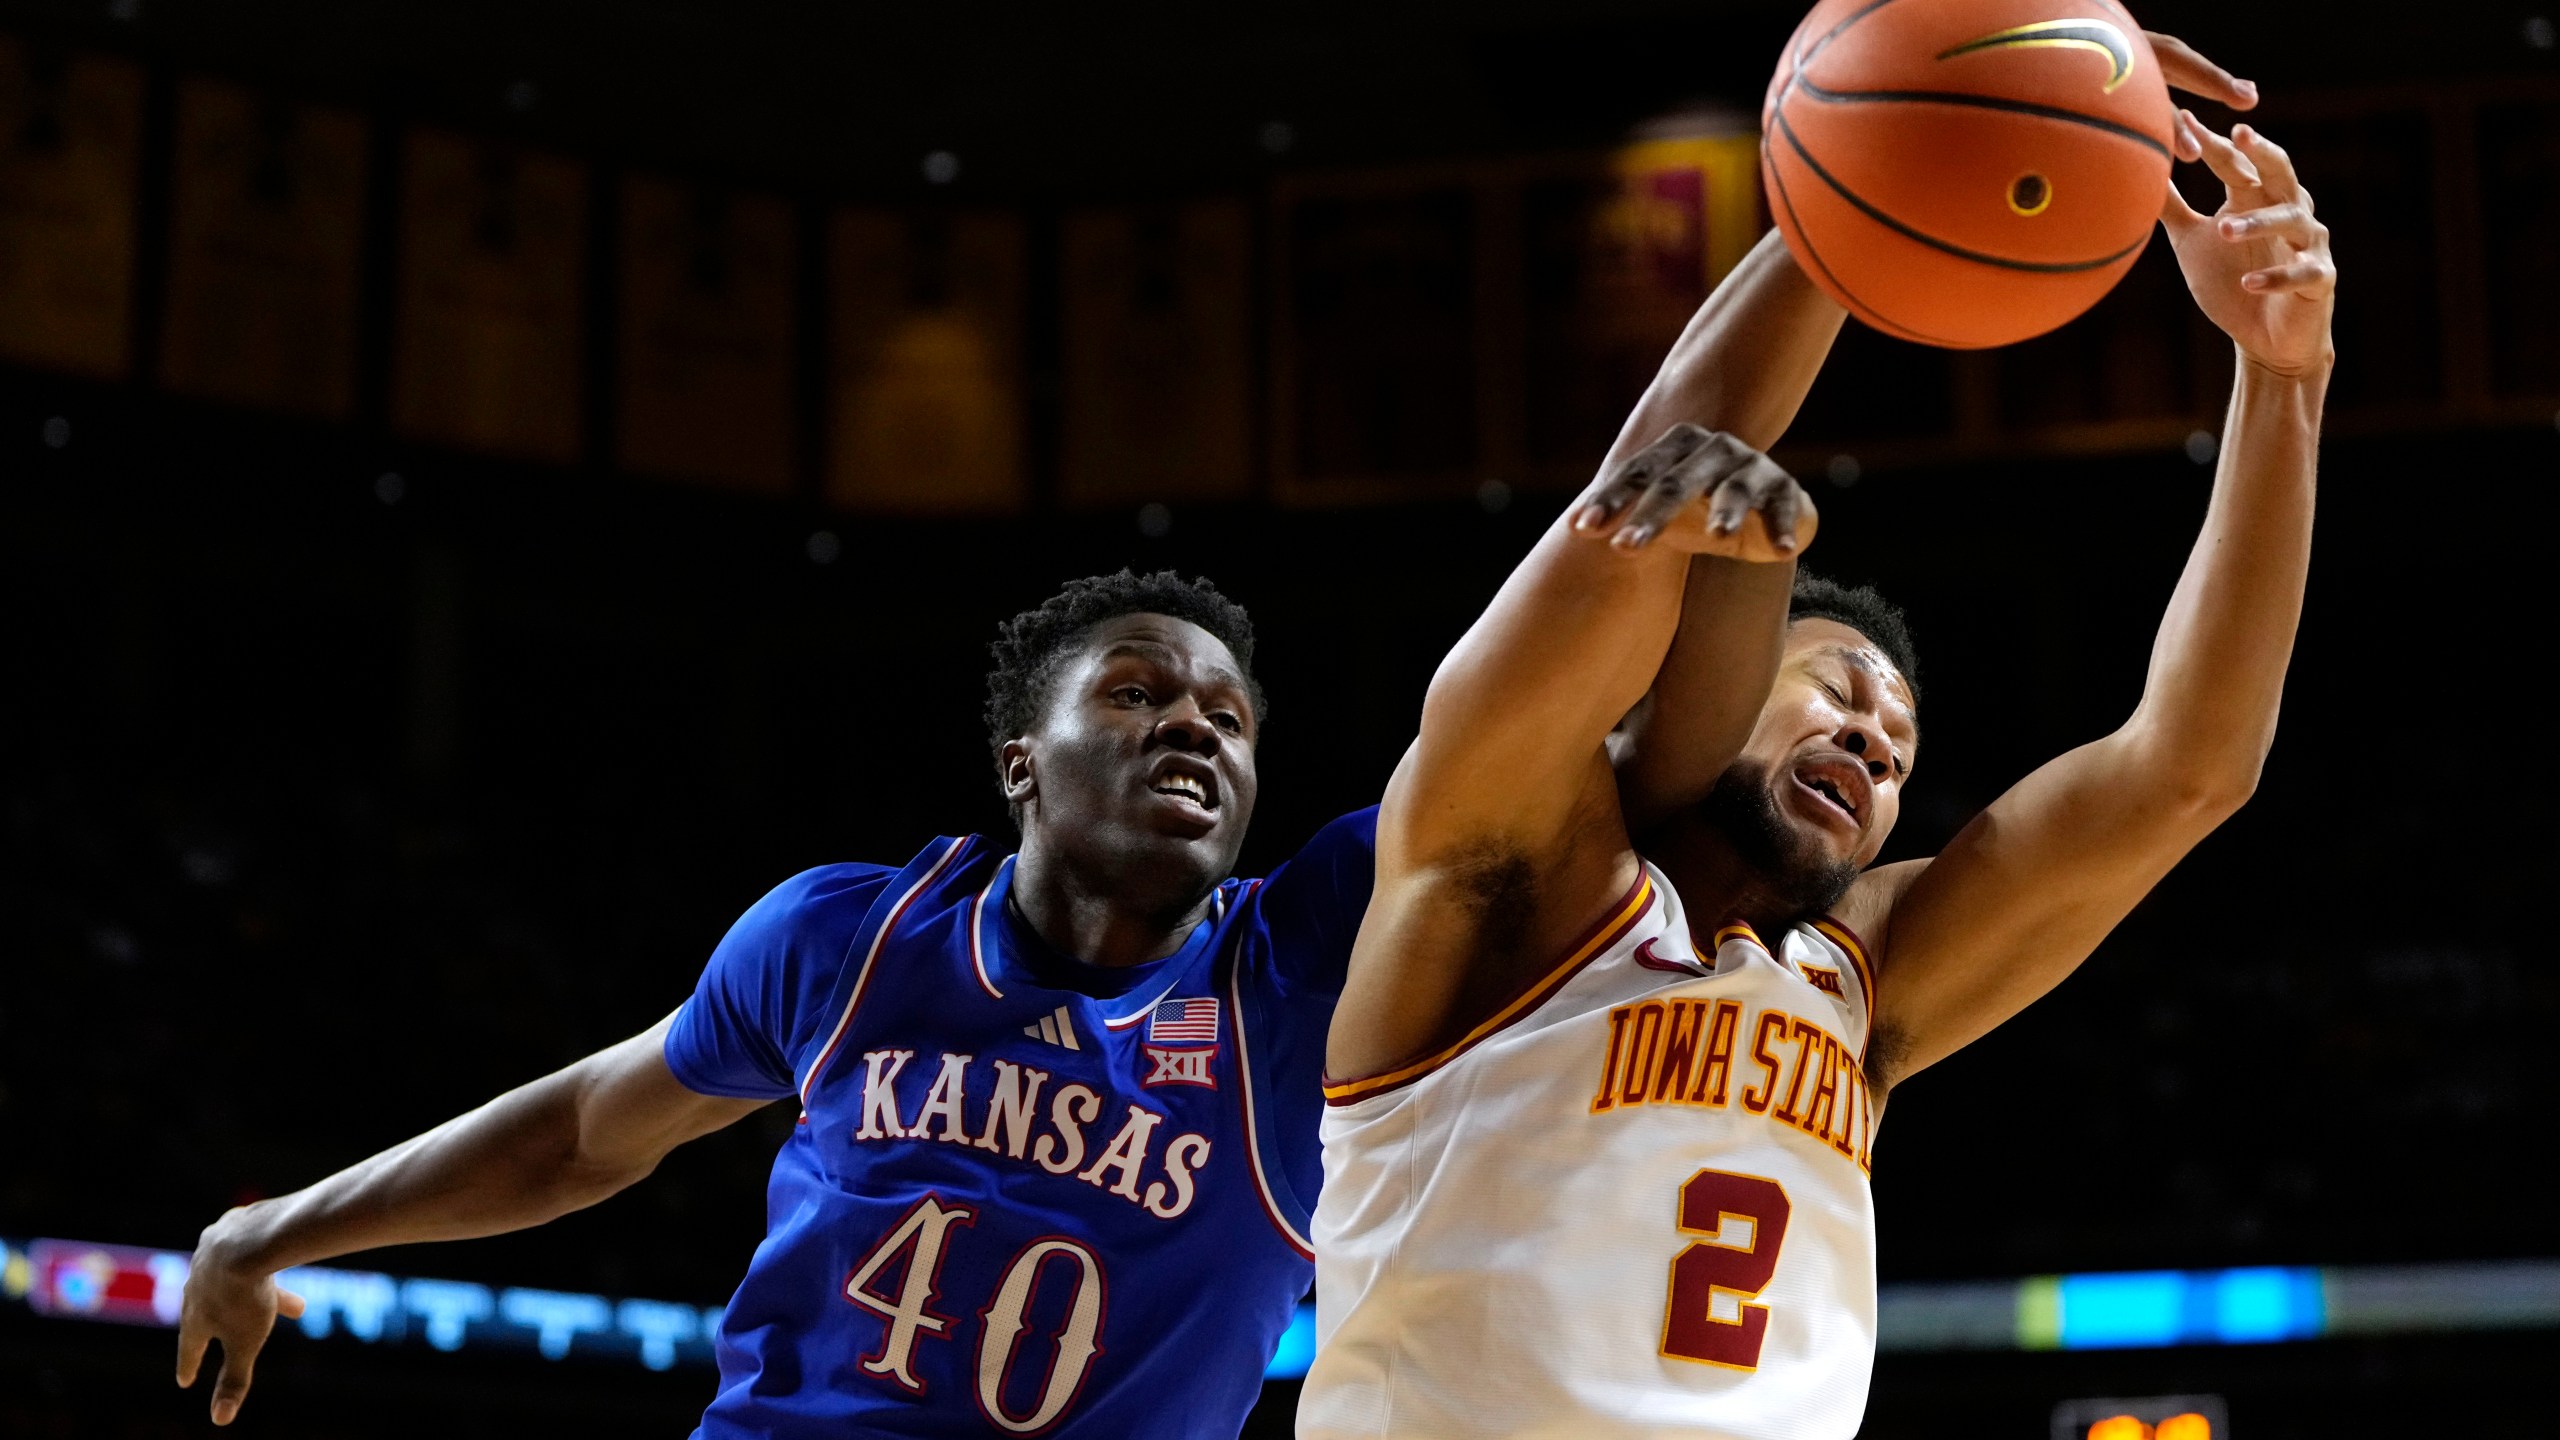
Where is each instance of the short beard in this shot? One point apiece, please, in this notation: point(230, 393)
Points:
point(1795, 878)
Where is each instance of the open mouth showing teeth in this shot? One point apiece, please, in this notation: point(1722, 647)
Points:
point(1184, 787)
point(1831, 792)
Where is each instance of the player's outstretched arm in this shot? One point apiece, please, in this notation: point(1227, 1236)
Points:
point(2028, 889)
point(1743, 366)
point(1507, 790)
point(536, 1153)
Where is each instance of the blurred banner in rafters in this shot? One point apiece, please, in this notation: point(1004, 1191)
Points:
point(1157, 320)
point(707, 349)
point(925, 394)
point(70, 154)
point(488, 335)
point(1615, 258)
point(266, 251)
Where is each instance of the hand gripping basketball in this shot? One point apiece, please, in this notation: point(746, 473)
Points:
point(1970, 173)
point(1696, 490)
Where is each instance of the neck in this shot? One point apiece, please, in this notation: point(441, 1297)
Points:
point(1099, 918)
point(1715, 883)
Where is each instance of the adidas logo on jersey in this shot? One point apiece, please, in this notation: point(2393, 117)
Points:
point(1055, 1027)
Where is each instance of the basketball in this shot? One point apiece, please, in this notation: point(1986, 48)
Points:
point(1966, 173)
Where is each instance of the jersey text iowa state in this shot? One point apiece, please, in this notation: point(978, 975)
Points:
point(1684, 1052)
point(1013, 1114)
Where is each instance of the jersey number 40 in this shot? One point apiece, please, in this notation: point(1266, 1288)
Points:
point(900, 1278)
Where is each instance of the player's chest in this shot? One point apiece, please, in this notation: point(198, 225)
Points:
point(1134, 1104)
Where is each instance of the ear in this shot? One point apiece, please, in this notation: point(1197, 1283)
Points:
point(1014, 763)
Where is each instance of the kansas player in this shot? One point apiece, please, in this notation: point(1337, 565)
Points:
point(1601, 1121)
point(1058, 1106)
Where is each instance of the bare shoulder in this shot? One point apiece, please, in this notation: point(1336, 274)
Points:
point(1455, 934)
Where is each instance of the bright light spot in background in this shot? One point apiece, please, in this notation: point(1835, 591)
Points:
point(2108, 1311)
point(388, 487)
point(1843, 471)
point(2540, 33)
point(448, 1306)
point(1494, 497)
point(2263, 1304)
point(57, 433)
point(2202, 446)
point(558, 1317)
point(661, 1326)
point(941, 167)
point(1155, 521)
point(1277, 136)
point(824, 548)
point(1297, 1348)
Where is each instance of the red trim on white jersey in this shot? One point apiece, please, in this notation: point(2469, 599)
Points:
point(863, 977)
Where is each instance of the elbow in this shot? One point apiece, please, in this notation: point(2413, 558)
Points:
point(2210, 794)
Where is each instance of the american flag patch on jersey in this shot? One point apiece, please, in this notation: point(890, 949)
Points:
point(1184, 1022)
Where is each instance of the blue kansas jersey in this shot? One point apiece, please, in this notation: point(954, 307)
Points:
point(1026, 1196)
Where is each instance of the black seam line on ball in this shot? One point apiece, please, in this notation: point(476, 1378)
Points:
point(1982, 102)
point(2032, 267)
point(1805, 56)
point(1865, 311)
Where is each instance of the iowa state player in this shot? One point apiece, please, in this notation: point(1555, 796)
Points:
point(1057, 1144)
point(1596, 1157)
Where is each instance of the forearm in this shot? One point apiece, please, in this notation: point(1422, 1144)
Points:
point(513, 1163)
point(1566, 647)
point(1743, 366)
point(2217, 670)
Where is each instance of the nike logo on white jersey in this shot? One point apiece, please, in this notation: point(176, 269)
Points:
point(1056, 1028)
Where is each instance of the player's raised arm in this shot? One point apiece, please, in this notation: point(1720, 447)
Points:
point(2029, 888)
point(1479, 864)
point(541, 1150)
point(1743, 366)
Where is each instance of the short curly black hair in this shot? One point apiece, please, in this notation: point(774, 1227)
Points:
point(1030, 648)
point(1861, 609)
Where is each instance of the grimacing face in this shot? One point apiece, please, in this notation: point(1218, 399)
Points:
point(1835, 745)
point(1142, 763)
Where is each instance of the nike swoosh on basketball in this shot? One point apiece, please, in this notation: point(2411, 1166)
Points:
point(2092, 35)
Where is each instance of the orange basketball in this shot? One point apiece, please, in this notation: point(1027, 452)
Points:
point(1966, 172)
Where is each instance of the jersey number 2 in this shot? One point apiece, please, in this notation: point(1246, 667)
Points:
point(1740, 1220)
point(904, 1297)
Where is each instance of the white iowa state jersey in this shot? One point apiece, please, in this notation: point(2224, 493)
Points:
point(1632, 1203)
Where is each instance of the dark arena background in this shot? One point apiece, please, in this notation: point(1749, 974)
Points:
point(487, 489)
